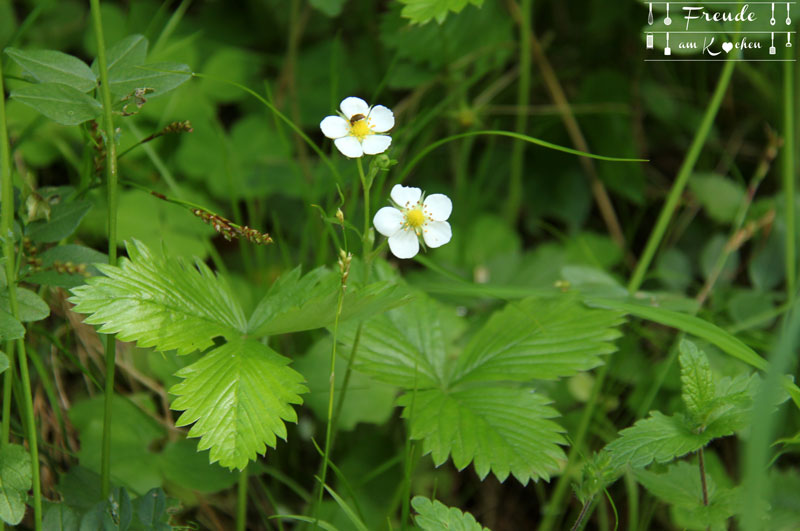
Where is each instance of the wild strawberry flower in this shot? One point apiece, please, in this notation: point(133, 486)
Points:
point(355, 131)
point(414, 215)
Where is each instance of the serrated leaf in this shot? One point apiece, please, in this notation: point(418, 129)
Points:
point(296, 303)
point(50, 66)
point(406, 346)
point(238, 397)
point(60, 517)
point(61, 103)
point(15, 480)
point(539, 338)
point(64, 219)
point(130, 51)
point(658, 438)
point(697, 382)
point(161, 77)
point(160, 302)
point(504, 430)
point(422, 11)
point(436, 516)
point(10, 328)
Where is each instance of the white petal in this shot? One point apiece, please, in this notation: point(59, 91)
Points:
point(436, 233)
point(405, 196)
point(334, 127)
point(438, 206)
point(381, 119)
point(349, 146)
point(404, 244)
point(352, 106)
point(388, 220)
point(375, 144)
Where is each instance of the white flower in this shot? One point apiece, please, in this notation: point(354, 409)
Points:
point(354, 132)
point(414, 215)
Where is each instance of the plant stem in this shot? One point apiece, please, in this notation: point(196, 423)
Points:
point(365, 186)
point(684, 173)
point(241, 501)
point(582, 515)
point(515, 190)
point(7, 236)
point(111, 188)
point(702, 463)
point(789, 174)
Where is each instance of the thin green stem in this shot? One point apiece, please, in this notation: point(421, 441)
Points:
point(365, 186)
point(683, 177)
point(701, 462)
point(112, 199)
point(514, 199)
point(789, 174)
point(241, 501)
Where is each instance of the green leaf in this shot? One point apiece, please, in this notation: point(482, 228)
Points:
point(130, 51)
point(719, 196)
point(10, 328)
point(63, 255)
point(161, 77)
point(64, 219)
point(238, 396)
point(539, 338)
point(3, 362)
point(422, 11)
point(60, 103)
point(332, 8)
point(407, 346)
point(680, 487)
point(60, 517)
point(31, 306)
point(657, 438)
point(296, 303)
point(184, 466)
point(50, 66)
point(436, 516)
point(697, 382)
point(15, 480)
point(160, 302)
point(151, 510)
point(502, 429)
point(113, 514)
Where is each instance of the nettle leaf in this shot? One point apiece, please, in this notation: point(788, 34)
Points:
point(50, 66)
point(160, 302)
point(697, 383)
point(130, 51)
point(296, 303)
point(658, 438)
point(422, 11)
point(539, 338)
point(435, 516)
point(61, 103)
point(15, 480)
point(407, 346)
point(238, 396)
point(502, 429)
point(161, 77)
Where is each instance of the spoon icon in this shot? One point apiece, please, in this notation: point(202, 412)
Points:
point(772, 20)
point(788, 20)
point(667, 21)
point(650, 15)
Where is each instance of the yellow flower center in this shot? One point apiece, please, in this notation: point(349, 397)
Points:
point(360, 129)
point(415, 218)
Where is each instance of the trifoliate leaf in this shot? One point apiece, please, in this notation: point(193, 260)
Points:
point(657, 438)
point(238, 396)
point(422, 11)
point(407, 346)
point(160, 77)
point(50, 66)
point(60, 103)
point(160, 302)
point(436, 516)
point(130, 51)
point(697, 387)
point(296, 303)
point(539, 338)
point(15, 480)
point(502, 429)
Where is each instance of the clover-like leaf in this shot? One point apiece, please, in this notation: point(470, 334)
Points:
point(238, 397)
point(160, 302)
point(15, 480)
point(504, 430)
point(539, 338)
point(435, 516)
point(51, 66)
